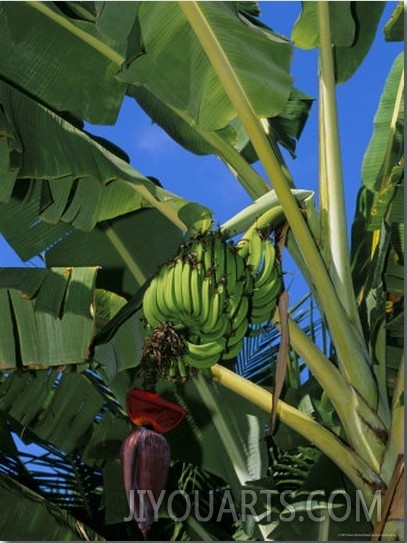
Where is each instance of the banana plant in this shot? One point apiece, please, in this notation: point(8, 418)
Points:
point(78, 325)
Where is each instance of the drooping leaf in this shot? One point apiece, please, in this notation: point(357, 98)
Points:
point(353, 28)
point(47, 316)
point(191, 85)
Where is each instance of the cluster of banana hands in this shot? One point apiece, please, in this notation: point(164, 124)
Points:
point(212, 293)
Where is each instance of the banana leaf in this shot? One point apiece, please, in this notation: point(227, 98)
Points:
point(76, 71)
point(353, 28)
point(47, 316)
point(191, 85)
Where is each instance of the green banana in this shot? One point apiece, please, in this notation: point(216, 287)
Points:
point(201, 363)
point(215, 310)
point(269, 291)
point(241, 312)
point(166, 292)
point(269, 257)
point(196, 280)
point(182, 370)
point(177, 285)
point(233, 350)
point(208, 259)
point(151, 310)
point(238, 333)
point(254, 258)
point(206, 298)
point(197, 249)
point(220, 329)
point(163, 294)
point(185, 288)
point(205, 354)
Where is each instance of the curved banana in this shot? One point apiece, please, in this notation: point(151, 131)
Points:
point(205, 354)
point(269, 257)
point(196, 279)
point(208, 258)
point(269, 291)
point(233, 350)
point(166, 291)
point(196, 248)
point(177, 284)
point(255, 255)
point(238, 333)
point(185, 288)
point(201, 363)
point(219, 330)
point(151, 310)
point(215, 310)
point(206, 299)
point(241, 311)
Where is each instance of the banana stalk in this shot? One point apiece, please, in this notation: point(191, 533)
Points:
point(354, 466)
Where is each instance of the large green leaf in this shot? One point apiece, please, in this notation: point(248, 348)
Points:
point(353, 28)
point(69, 64)
point(47, 316)
point(61, 175)
point(177, 72)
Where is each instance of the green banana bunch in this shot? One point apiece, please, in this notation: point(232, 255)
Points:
point(204, 293)
point(211, 293)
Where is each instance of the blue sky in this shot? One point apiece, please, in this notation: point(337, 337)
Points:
point(207, 180)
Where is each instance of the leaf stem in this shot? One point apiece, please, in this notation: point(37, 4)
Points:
point(331, 172)
point(127, 257)
point(361, 424)
point(87, 38)
point(251, 181)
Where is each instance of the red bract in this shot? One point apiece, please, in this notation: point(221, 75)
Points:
point(145, 457)
point(146, 408)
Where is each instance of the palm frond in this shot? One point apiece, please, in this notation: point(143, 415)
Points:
point(257, 359)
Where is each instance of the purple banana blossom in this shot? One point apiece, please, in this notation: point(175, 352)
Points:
point(145, 457)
